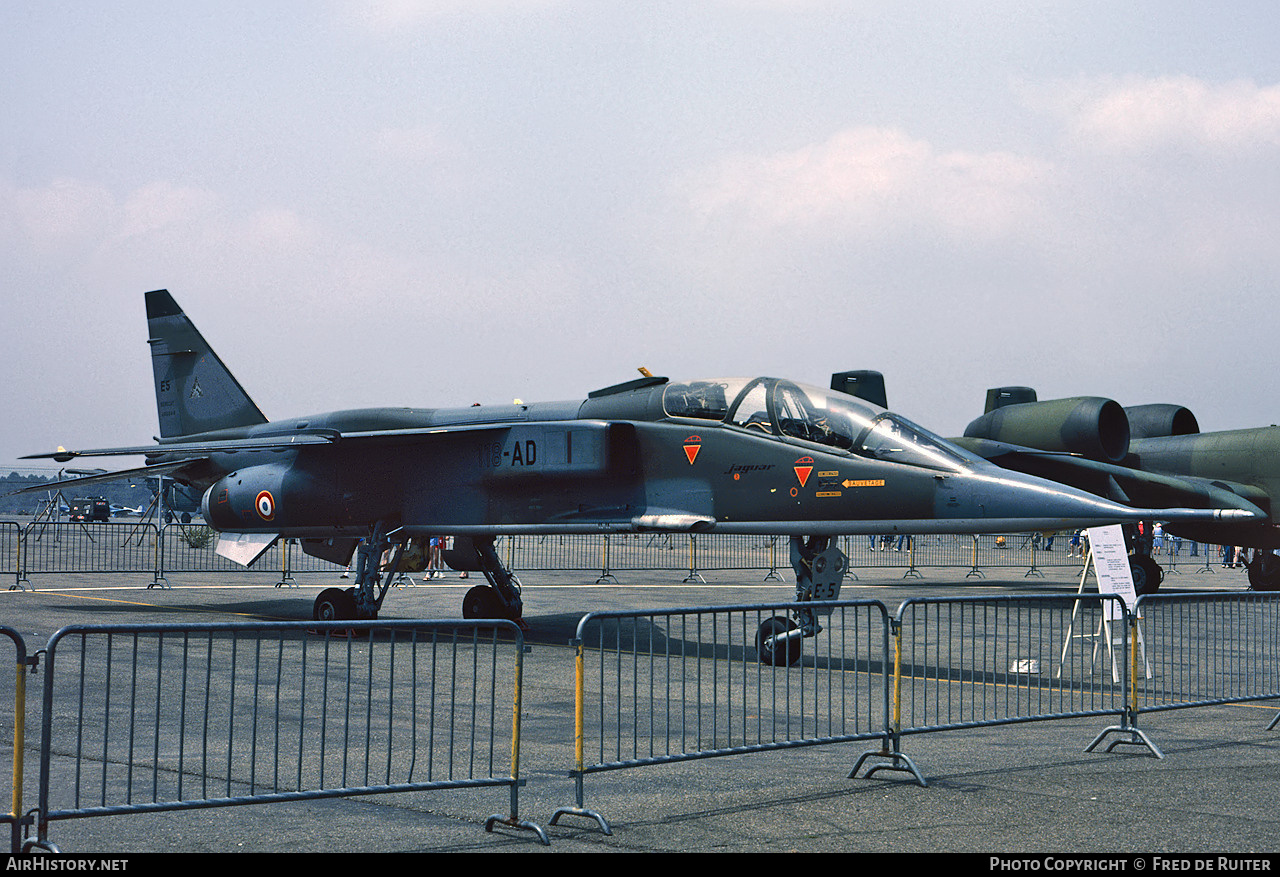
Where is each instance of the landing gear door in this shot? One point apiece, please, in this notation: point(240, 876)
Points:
point(820, 568)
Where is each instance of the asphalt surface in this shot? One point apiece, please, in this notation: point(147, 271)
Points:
point(1019, 791)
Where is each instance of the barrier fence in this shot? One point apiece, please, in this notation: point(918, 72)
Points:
point(169, 717)
point(46, 548)
point(663, 687)
point(137, 719)
point(681, 684)
point(1207, 648)
point(1004, 659)
point(16, 695)
point(10, 548)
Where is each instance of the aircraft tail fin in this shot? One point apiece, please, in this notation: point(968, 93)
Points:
point(195, 392)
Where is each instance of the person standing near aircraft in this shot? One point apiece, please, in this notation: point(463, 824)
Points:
point(435, 558)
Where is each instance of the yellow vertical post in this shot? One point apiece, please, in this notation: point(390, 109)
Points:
point(19, 732)
point(515, 716)
point(1133, 666)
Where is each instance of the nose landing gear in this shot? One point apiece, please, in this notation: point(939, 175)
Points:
point(820, 569)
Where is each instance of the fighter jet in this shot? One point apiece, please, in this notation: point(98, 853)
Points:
point(1144, 456)
point(757, 455)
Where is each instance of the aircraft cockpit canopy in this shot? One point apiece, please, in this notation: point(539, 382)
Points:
point(840, 422)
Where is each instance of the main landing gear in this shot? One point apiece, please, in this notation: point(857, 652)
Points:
point(363, 601)
point(501, 597)
point(1147, 574)
point(498, 599)
point(820, 569)
point(1264, 571)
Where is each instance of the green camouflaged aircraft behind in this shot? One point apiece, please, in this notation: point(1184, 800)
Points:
point(750, 455)
point(1144, 456)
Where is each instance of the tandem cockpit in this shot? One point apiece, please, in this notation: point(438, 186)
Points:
point(839, 422)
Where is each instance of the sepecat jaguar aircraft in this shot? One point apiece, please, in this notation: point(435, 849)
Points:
point(744, 455)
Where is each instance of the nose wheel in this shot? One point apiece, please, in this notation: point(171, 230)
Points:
point(776, 644)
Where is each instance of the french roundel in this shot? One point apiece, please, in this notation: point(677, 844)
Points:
point(265, 505)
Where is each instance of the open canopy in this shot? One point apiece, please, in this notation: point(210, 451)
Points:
point(837, 421)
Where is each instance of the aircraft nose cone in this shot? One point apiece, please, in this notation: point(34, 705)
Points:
point(999, 499)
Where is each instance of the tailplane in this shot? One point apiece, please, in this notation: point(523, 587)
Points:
point(195, 392)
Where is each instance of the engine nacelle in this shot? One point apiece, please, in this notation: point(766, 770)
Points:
point(1160, 421)
point(1091, 426)
point(268, 498)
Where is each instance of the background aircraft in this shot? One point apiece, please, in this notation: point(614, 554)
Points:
point(179, 501)
point(1145, 456)
point(745, 455)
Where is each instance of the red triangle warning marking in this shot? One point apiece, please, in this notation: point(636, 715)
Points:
point(692, 445)
point(803, 467)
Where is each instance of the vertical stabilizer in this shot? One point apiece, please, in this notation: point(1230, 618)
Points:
point(195, 392)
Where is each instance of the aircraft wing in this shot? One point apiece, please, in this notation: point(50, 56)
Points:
point(193, 449)
point(118, 475)
point(300, 438)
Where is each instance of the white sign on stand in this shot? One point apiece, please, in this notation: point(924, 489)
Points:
point(1111, 566)
point(1109, 558)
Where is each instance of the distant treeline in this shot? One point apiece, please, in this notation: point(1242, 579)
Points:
point(133, 494)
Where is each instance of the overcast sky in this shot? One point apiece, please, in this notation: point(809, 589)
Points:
point(439, 202)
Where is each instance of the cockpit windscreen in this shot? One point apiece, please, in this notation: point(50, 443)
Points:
point(835, 420)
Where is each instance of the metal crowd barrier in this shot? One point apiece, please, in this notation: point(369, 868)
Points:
point(190, 548)
point(673, 685)
point(973, 662)
point(690, 555)
point(1189, 650)
point(63, 547)
point(11, 552)
point(176, 717)
point(678, 684)
point(17, 696)
point(135, 719)
point(141, 547)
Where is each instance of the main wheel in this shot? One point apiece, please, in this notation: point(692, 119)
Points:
point(483, 601)
point(1147, 574)
point(1264, 572)
point(334, 604)
point(779, 654)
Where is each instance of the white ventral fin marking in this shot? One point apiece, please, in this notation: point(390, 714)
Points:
point(245, 548)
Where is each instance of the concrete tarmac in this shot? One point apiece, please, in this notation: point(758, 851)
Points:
point(1020, 790)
